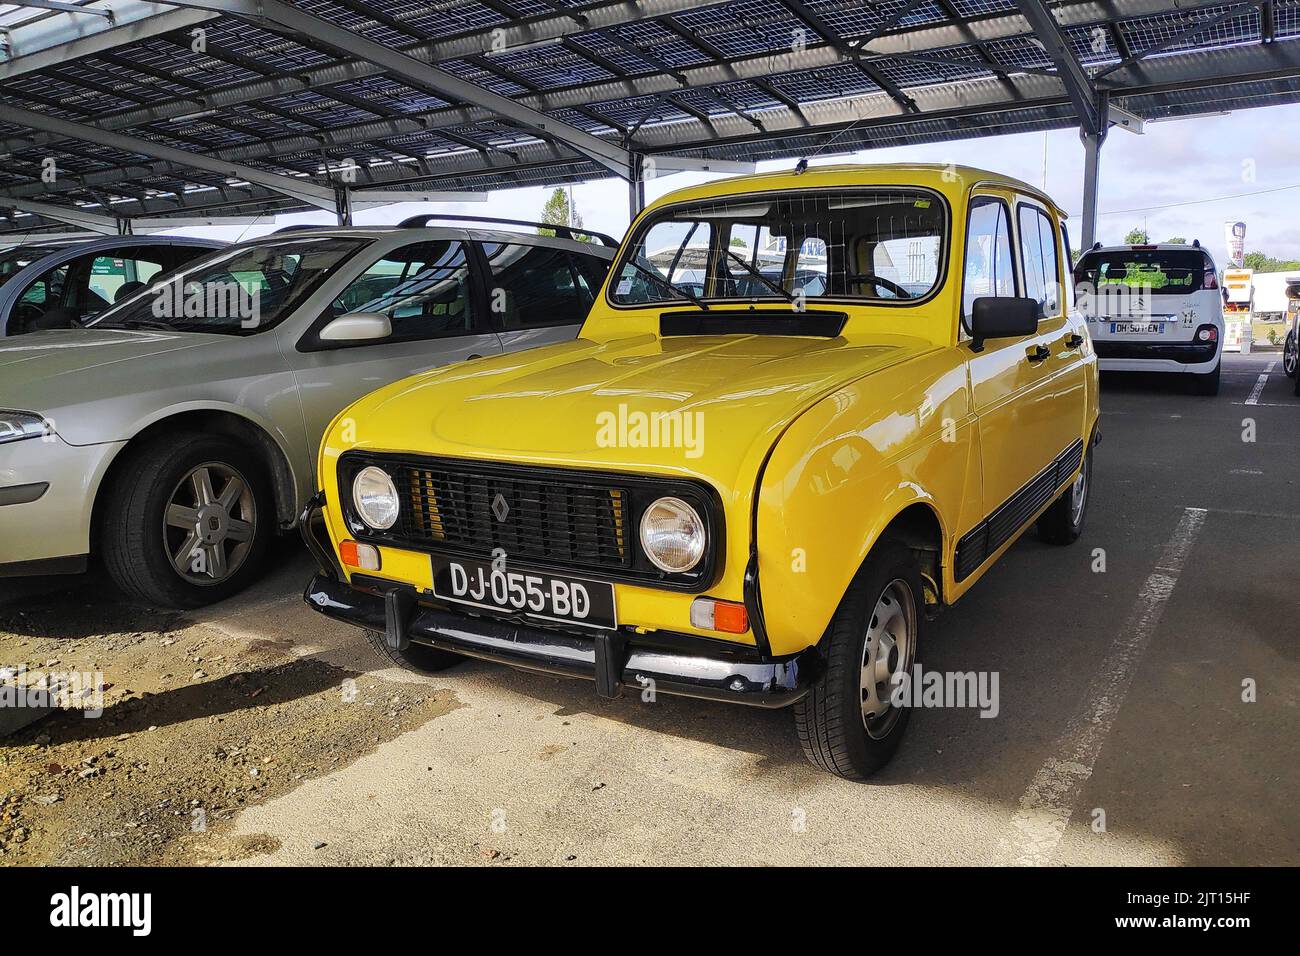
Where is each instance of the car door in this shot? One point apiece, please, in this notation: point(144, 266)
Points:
point(539, 293)
point(1061, 331)
point(433, 297)
point(1010, 380)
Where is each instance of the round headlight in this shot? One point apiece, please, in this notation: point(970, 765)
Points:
point(672, 535)
point(375, 497)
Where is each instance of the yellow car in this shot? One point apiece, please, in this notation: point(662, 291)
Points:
point(807, 410)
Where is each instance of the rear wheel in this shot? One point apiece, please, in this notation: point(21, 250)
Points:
point(1062, 522)
point(1290, 354)
point(1207, 383)
point(849, 724)
point(187, 520)
point(416, 657)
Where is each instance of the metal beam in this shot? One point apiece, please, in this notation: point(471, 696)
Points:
point(60, 7)
point(72, 215)
point(396, 63)
point(1078, 85)
point(306, 192)
point(1092, 142)
point(52, 41)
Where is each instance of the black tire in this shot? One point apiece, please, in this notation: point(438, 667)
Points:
point(131, 534)
point(831, 720)
point(1290, 354)
point(1207, 383)
point(1063, 521)
point(416, 657)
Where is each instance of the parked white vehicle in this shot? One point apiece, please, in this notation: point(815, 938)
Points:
point(1154, 308)
point(177, 432)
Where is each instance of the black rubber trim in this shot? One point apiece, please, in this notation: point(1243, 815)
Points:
point(23, 494)
point(72, 564)
point(1182, 354)
point(1013, 514)
point(754, 322)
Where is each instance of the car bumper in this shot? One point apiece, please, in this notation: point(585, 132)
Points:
point(614, 660)
point(47, 495)
point(1189, 357)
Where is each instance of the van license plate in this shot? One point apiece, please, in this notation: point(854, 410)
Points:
point(1137, 328)
point(530, 593)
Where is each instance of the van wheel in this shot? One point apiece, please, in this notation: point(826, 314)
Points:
point(1208, 382)
point(848, 724)
point(187, 521)
point(1062, 522)
point(416, 657)
point(1290, 355)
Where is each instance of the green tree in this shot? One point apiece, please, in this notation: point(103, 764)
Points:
point(1176, 241)
point(1137, 237)
point(557, 210)
point(1262, 263)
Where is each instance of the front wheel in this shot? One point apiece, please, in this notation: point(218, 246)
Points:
point(1290, 355)
point(851, 722)
point(1062, 522)
point(187, 521)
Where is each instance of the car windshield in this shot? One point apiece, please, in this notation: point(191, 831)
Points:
point(1162, 271)
point(878, 245)
point(240, 291)
point(15, 260)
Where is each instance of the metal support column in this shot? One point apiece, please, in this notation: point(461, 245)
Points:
point(635, 187)
point(343, 205)
point(1092, 143)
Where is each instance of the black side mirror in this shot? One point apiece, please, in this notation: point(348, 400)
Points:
point(1002, 317)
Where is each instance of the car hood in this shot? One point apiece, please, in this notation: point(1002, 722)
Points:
point(704, 405)
point(38, 370)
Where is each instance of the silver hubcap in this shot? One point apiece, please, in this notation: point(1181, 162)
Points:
point(210, 523)
point(888, 650)
point(1079, 495)
point(1290, 352)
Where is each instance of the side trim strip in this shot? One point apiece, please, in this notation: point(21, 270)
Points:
point(999, 527)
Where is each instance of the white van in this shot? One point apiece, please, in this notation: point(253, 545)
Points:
point(1154, 308)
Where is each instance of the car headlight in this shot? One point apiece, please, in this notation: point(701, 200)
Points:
point(15, 426)
point(673, 535)
point(375, 497)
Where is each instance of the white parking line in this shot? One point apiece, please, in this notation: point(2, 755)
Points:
point(1049, 802)
point(1259, 385)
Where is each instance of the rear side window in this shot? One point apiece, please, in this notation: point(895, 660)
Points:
point(423, 288)
point(1038, 254)
point(1162, 271)
point(532, 287)
point(990, 269)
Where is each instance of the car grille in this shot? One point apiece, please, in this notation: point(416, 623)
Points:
point(571, 523)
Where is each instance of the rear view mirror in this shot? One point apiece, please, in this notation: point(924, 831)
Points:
point(357, 327)
point(1002, 317)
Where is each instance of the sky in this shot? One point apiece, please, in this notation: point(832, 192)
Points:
point(1179, 178)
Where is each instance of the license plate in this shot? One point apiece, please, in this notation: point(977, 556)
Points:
point(1137, 328)
point(531, 593)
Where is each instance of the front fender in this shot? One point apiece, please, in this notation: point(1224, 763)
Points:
point(843, 471)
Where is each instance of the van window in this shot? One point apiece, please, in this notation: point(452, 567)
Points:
point(1038, 256)
point(1163, 271)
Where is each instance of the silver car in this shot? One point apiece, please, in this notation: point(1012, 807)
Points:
point(174, 435)
point(53, 282)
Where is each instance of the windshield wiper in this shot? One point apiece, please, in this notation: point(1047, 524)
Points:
point(136, 324)
point(663, 281)
point(789, 297)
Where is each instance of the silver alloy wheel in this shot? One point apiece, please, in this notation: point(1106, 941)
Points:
point(888, 650)
point(1079, 495)
point(1290, 353)
point(208, 534)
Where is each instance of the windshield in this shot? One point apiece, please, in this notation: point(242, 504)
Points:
point(237, 292)
point(1162, 271)
point(865, 245)
point(15, 260)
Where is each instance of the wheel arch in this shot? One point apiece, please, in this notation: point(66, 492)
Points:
point(917, 524)
point(213, 421)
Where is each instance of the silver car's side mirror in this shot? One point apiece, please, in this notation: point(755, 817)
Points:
point(357, 327)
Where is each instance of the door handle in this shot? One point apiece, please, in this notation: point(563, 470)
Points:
point(1073, 340)
point(1038, 353)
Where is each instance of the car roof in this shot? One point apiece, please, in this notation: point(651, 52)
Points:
point(941, 177)
point(93, 244)
point(415, 234)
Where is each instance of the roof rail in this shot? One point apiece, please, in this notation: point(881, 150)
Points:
point(564, 232)
point(301, 226)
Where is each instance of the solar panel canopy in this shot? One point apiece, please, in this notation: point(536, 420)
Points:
point(123, 110)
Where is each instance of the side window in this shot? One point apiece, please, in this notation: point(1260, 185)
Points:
point(46, 291)
point(990, 269)
point(532, 287)
point(1038, 256)
point(592, 271)
point(423, 289)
